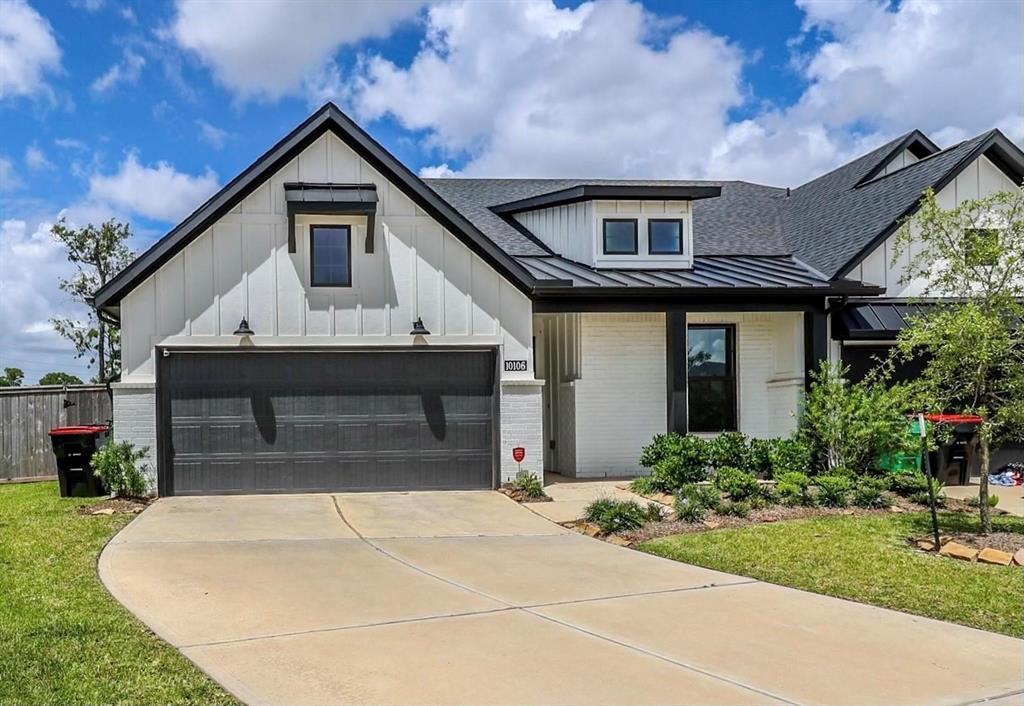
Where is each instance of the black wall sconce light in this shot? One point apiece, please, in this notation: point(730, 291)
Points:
point(243, 328)
point(418, 329)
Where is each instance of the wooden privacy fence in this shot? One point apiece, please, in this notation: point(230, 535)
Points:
point(28, 413)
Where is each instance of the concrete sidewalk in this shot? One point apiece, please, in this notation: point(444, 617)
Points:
point(470, 598)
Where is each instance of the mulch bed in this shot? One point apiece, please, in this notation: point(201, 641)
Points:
point(521, 497)
point(1004, 541)
point(117, 506)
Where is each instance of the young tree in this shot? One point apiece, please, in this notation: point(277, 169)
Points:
point(59, 378)
point(12, 377)
point(97, 254)
point(971, 258)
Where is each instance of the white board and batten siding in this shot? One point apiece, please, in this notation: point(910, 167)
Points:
point(619, 401)
point(979, 179)
point(575, 231)
point(241, 267)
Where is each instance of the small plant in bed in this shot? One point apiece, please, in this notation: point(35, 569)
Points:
point(644, 485)
point(676, 460)
point(117, 465)
point(730, 449)
point(834, 490)
point(693, 502)
point(872, 493)
point(737, 484)
point(612, 515)
point(526, 488)
point(735, 508)
point(791, 488)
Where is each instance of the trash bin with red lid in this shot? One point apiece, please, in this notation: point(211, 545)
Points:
point(73, 448)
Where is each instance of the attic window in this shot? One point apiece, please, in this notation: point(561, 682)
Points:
point(620, 236)
point(665, 236)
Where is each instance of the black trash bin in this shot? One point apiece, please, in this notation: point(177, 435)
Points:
point(73, 447)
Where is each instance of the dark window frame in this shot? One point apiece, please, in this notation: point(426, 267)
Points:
point(604, 236)
point(650, 237)
point(312, 256)
point(732, 377)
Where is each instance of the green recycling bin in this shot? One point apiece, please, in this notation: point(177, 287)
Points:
point(905, 462)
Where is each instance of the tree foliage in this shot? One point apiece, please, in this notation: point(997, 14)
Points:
point(98, 253)
point(971, 258)
point(12, 377)
point(60, 378)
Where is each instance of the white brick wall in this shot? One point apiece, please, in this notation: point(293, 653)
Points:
point(621, 400)
point(135, 421)
point(522, 425)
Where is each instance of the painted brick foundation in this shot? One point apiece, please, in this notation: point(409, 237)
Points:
point(135, 421)
point(522, 425)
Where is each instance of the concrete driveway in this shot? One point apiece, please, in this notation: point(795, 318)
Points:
point(469, 598)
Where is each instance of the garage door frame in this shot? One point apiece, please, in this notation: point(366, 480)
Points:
point(165, 478)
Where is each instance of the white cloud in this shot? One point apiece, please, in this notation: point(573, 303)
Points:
point(35, 158)
point(31, 263)
point(9, 179)
point(264, 50)
point(28, 51)
point(437, 171)
point(528, 89)
point(88, 5)
point(69, 143)
point(127, 70)
point(159, 191)
point(128, 15)
point(212, 135)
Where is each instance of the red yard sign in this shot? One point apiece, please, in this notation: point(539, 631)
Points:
point(518, 454)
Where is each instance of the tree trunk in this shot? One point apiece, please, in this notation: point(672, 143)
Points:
point(986, 515)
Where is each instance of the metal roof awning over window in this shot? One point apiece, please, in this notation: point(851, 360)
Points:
point(874, 321)
point(331, 199)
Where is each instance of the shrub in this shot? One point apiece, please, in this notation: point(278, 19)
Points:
point(871, 493)
point(693, 501)
point(644, 485)
point(975, 501)
point(116, 464)
point(661, 447)
point(528, 484)
point(736, 508)
point(921, 496)
point(653, 513)
point(759, 457)
point(739, 485)
point(728, 450)
point(907, 484)
point(789, 456)
point(833, 491)
point(791, 489)
point(616, 515)
point(688, 463)
point(852, 425)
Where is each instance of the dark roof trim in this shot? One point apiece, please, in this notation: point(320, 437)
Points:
point(998, 148)
point(879, 319)
point(917, 142)
point(329, 117)
point(309, 192)
point(590, 192)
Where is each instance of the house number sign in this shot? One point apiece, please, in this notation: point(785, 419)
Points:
point(515, 366)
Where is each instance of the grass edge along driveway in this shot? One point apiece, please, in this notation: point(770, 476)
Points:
point(866, 559)
point(63, 638)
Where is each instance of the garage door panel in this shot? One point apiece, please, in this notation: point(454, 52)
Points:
point(293, 422)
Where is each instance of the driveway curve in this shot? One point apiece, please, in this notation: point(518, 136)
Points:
point(467, 597)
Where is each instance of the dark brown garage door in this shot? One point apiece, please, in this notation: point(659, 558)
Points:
point(247, 422)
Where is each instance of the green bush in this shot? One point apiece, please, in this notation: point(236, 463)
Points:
point(694, 501)
point(116, 464)
point(654, 513)
point(728, 450)
point(871, 493)
point(852, 425)
point(739, 485)
point(791, 488)
point(688, 463)
point(975, 501)
point(644, 485)
point(921, 496)
point(833, 491)
point(528, 484)
point(616, 515)
point(759, 457)
point(906, 484)
point(789, 456)
point(736, 508)
point(662, 446)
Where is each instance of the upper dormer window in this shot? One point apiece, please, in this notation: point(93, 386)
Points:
point(330, 256)
point(620, 236)
point(665, 236)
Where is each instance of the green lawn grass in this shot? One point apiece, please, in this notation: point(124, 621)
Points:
point(866, 559)
point(63, 638)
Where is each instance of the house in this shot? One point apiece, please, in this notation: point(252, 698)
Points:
point(330, 321)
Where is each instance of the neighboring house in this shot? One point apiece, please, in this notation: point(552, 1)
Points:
point(330, 321)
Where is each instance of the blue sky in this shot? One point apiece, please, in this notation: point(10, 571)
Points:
point(140, 111)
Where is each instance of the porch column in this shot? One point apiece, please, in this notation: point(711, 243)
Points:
point(675, 361)
point(815, 342)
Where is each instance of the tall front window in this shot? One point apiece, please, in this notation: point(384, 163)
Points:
point(330, 256)
point(711, 377)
